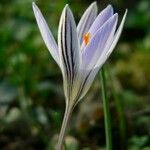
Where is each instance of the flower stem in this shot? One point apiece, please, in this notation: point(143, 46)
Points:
point(120, 111)
point(67, 115)
point(106, 111)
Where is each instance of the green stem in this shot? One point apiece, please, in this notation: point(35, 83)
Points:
point(120, 112)
point(106, 111)
point(65, 146)
point(67, 115)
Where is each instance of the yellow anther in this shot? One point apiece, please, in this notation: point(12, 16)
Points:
point(86, 38)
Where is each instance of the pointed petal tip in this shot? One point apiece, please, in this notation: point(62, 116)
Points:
point(110, 6)
point(108, 9)
point(94, 6)
point(94, 3)
point(126, 11)
point(124, 16)
point(115, 15)
point(33, 5)
point(66, 7)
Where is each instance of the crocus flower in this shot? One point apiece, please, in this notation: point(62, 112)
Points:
point(81, 51)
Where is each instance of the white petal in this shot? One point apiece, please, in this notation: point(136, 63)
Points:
point(86, 21)
point(46, 33)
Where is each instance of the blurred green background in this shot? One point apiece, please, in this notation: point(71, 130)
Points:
point(31, 92)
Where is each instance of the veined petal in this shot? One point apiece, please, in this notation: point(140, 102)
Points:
point(101, 19)
point(111, 47)
point(46, 33)
point(88, 79)
point(102, 38)
point(117, 35)
point(86, 21)
point(103, 16)
point(68, 49)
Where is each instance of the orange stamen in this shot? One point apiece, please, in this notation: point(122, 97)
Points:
point(86, 38)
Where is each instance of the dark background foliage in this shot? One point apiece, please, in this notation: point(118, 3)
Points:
point(31, 92)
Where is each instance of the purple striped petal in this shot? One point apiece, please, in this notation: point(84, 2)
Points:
point(69, 49)
point(86, 21)
point(46, 33)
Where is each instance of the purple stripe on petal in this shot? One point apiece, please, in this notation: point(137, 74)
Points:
point(69, 49)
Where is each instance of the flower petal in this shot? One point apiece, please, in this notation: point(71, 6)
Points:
point(101, 19)
point(46, 33)
point(118, 33)
point(88, 79)
point(111, 47)
point(92, 52)
point(103, 16)
point(86, 21)
point(68, 49)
